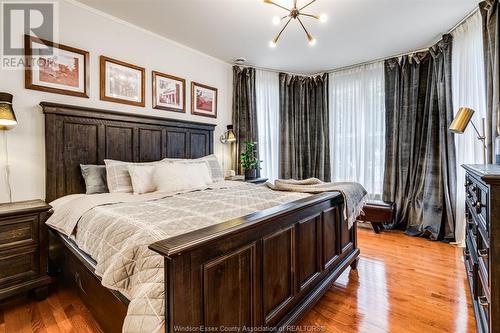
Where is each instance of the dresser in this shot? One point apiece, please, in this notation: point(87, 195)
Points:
point(482, 251)
point(23, 248)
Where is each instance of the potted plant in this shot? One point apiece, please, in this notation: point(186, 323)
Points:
point(249, 161)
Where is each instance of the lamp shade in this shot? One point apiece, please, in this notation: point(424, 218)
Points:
point(230, 137)
point(461, 120)
point(7, 115)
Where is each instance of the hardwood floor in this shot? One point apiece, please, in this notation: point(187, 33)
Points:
point(402, 284)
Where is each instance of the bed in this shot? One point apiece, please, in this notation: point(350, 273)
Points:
point(259, 270)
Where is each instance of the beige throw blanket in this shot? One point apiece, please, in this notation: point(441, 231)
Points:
point(354, 194)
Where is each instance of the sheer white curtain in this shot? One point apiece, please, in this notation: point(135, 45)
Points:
point(468, 90)
point(357, 126)
point(268, 96)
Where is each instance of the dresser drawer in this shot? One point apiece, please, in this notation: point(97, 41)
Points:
point(18, 231)
point(483, 257)
point(470, 261)
point(483, 304)
point(477, 197)
point(19, 264)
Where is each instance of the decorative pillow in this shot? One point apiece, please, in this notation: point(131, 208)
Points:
point(214, 167)
point(95, 178)
point(118, 176)
point(142, 178)
point(178, 177)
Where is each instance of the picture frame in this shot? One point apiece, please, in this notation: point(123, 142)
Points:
point(56, 68)
point(121, 82)
point(169, 92)
point(203, 100)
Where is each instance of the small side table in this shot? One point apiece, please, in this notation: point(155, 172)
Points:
point(256, 181)
point(24, 248)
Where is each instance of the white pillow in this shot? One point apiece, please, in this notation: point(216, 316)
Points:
point(202, 169)
point(179, 177)
point(215, 171)
point(118, 177)
point(142, 178)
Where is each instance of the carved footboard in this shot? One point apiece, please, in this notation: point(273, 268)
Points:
point(262, 270)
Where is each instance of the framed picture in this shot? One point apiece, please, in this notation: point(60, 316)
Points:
point(203, 100)
point(121, 82)
point(169, 92)
point(55, 68)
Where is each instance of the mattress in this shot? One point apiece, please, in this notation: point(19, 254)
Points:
point(116, 230)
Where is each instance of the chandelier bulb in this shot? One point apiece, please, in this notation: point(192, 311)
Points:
point(276, 20)
point(272, 44)
point(311, 39)
point(323, 18)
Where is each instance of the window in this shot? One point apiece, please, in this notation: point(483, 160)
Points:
point(267, 96)
point(357, 126)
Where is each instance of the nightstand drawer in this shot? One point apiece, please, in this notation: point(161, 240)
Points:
point(24, 248)
point(18, 264)
point(18, 231)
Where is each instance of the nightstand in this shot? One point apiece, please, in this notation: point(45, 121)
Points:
point(256, 181)
point(24, 248)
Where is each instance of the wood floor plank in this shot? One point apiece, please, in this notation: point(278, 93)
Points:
point(402, 284)
point(48, 318)
point(37, 324)
point(2, 322)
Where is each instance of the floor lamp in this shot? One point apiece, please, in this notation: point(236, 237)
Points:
point(460, 123)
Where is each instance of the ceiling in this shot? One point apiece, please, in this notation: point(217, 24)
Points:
point(356, 30)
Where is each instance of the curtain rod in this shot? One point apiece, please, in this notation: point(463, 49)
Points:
point(464, 19)
point(273, 70)
point(370, 62)
point(455, 27)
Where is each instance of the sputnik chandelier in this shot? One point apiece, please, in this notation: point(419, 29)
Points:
point(294, 13)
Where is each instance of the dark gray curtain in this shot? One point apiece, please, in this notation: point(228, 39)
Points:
point(244, 113)
point(420, 154)
point(304, 128)
point(491, 34)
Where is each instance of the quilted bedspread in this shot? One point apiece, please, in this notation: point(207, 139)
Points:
point(116, 233)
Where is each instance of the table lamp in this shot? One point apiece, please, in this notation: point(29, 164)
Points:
point(7, 121)
point(7, 115)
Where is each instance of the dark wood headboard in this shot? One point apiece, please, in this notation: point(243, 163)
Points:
point(77, 135)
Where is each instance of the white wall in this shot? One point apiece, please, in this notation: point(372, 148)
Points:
point(87, 29)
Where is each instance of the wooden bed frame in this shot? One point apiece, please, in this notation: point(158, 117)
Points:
point(262, 270)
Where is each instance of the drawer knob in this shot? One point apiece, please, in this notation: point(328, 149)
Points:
point(479, 207)
point(483, 253)
point(483, 301)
